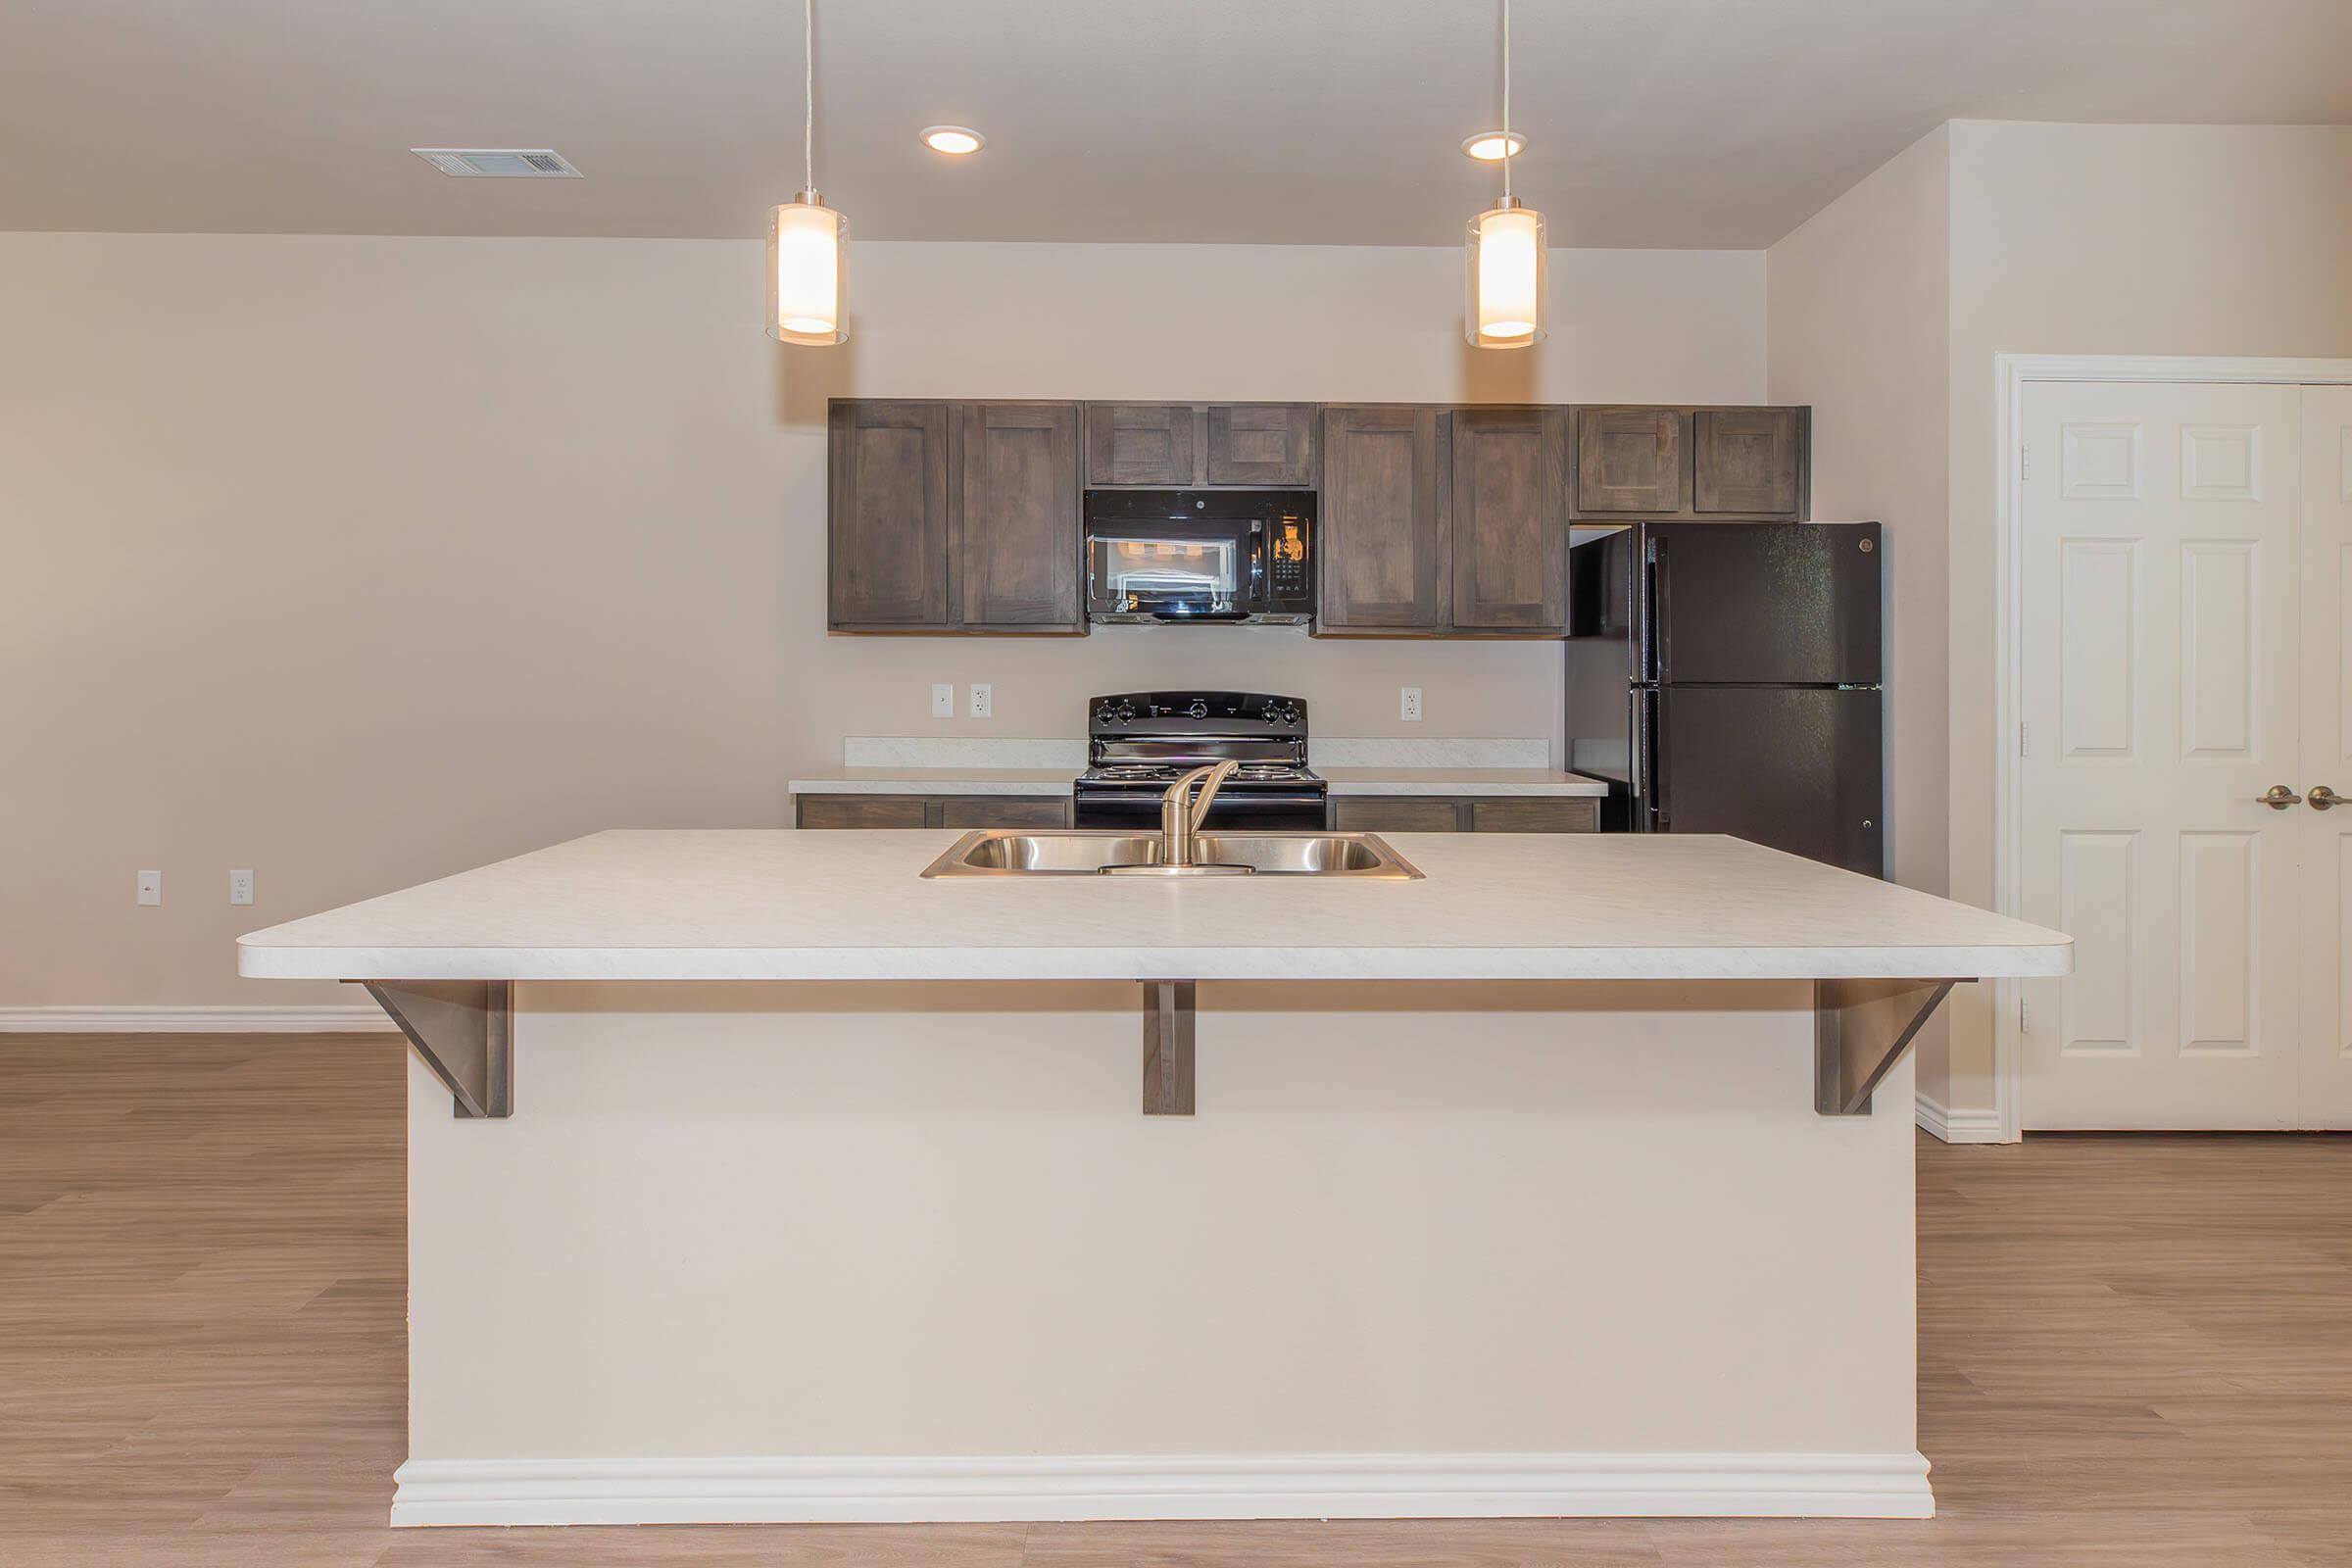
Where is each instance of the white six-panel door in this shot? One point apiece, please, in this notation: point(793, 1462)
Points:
point(2165, 651)
point(2324, 911)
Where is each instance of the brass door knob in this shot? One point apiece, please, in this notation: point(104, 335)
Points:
point(2278, 798)
point(2324, 797)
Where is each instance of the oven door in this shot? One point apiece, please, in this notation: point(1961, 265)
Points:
point(1174, 571)
point(1135, 809)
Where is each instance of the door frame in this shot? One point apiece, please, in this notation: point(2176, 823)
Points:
point(2011, 374)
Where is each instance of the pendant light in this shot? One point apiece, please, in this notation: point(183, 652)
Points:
point(805, 272)
point(1507, 276)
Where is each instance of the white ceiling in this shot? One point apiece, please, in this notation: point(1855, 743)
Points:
point(1668, 122)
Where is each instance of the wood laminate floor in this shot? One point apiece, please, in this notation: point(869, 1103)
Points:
point(2132, 1352)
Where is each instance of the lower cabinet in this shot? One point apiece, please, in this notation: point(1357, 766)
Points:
point(931, 811)
point(1459, 813)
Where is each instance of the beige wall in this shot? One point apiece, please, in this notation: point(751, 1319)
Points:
point(2055, 239)
point(1858, 303)
point(2110, 239)
point(359, 561)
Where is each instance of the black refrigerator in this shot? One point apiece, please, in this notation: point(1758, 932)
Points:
point(1723, 677)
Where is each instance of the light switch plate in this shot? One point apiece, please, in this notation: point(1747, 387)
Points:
point(943, 701)
point(151, 887)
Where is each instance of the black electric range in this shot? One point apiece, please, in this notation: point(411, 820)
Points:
point(1139, 742)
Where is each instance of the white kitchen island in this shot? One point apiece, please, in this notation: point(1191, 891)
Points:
point(785, 1185)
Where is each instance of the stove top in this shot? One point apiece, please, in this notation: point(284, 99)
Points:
point(1138, 741)
point(1170, 772)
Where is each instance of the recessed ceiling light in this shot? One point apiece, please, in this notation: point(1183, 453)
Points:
point(1490, 146)
point(954, 140)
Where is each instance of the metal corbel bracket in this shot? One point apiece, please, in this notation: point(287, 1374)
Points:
point(1168, 1047)
point(464, 1032)
point(1861, 1029)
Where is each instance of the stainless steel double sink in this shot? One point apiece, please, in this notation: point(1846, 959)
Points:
point(1077, 851)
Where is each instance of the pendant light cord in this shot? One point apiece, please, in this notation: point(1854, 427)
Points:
point(809, 92)
point(1506, 100)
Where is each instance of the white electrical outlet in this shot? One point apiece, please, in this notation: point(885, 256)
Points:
point(240, 887)
point(943, 701)
point(984, 700)
point(1408, 703)
point(151, 887)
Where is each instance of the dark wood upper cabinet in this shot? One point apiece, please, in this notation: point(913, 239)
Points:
point(954, 516)
point(1017, 556)
point(1630, 462)
point(1142, 443)
point(1750, 462)
point(1271, 445)
point(1694, 462)
point(1382, 529)
point(1432, 522)
point(1510, 521)
point(889, 523)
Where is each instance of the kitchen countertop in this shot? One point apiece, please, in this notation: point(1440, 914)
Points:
point(1459, 781)
point(937, 781)
point(777, 904)
point(1464, 781)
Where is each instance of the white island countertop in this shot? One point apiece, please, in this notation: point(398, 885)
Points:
point(1035, 781)
point(779, 904)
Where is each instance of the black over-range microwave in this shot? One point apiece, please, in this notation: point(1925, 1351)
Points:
point(1206, 557)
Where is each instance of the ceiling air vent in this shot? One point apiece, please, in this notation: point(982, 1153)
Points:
point(499, 163)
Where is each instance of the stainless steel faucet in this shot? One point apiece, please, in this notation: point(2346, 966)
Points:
point(1180, 819)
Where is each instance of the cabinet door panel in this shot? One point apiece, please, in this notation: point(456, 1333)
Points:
point(1384, 543)
point(1628, 461)
point(1271, 444)
point(1017, 559)
point(1510, 529)
point(1142, 443)
point(1749, 462)
point(1394, 814)
point(861, 811)
point(1536, 814)
point(889, 514)
point(990, 811)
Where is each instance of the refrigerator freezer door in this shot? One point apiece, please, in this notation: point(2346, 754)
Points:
point(1763, 603)
point(1798, 769)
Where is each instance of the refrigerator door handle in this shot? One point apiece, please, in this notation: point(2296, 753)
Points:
point(1661, 820)
point(1660, 619)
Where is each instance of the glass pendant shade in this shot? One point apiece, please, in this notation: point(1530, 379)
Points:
point(805, 272)
point(1508, 277)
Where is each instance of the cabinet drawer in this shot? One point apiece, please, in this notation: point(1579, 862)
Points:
point(1630, 460)
point(861, 811)
point(997, 811)
point(1536, 814)
point(1142, 443)
point(1271, 444)
point(1749, 463)
point(1395, 814)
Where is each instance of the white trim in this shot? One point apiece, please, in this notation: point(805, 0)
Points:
point(1967, 1125)
point(2010, 373)
point(363, 1017)
point(975, 1489)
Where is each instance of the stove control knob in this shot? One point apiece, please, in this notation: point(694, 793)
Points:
point(1126, 712)
point(1199, 710)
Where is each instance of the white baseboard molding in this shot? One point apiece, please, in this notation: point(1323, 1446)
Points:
point(1348, 1486)
point(365, 1017)
point(1979, 1125)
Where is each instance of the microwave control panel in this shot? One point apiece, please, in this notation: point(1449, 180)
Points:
point(1286, 558)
